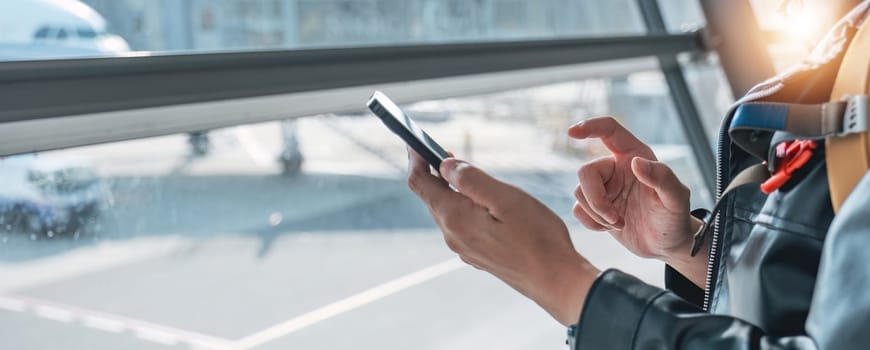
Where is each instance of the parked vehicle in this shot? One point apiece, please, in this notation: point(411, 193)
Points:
point(49, 195)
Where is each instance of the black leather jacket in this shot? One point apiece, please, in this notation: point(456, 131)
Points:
point(787, 274)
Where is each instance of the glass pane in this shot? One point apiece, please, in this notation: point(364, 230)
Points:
point(709, 89)
point(707, 82)
point(682, 16)
point(156, 26)
point(299, 234)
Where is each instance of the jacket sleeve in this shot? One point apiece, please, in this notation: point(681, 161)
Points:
point(682, 287)
point(621, 312)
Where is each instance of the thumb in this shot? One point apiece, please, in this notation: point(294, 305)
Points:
point(658, 176)
point(475, 184)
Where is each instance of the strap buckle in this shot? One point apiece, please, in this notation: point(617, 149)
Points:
point(855, 115)
point(791, 156)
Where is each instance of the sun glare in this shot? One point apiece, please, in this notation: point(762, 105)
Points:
point(801, 21)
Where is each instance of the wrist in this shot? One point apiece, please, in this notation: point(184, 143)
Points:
point(569, 290)
point(682, 252)
point(681, 259)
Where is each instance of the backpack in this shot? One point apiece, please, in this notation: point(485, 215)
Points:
point(835, 80)
point(848, 155)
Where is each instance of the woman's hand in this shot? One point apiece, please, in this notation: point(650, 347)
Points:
point(638, 200)
point(500, 229)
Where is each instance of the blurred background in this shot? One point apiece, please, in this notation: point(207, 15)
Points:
point(298, 231)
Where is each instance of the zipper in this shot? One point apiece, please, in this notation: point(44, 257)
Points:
point(713, 258)
point(722, 153)
point(833, 44)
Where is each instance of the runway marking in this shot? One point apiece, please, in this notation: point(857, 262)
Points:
point(111, 323)
point(156, 336)
point(165, 335)
point(342, 306)
point(12, 304)
point(104, 324)
point(253, 147)
point(53, 313)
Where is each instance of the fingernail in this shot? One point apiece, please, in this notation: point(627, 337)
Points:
point(644, 165)
point(451, 169)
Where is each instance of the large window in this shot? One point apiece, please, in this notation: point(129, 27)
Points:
point(302, 233)
point(225, 204)
point(68, 28)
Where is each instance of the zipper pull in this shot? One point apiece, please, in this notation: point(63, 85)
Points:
point(698, 238)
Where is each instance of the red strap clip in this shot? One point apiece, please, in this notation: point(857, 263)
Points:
point(791, 156)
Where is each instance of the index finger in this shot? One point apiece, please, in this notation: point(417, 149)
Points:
point(434, 191)
point(614, 136)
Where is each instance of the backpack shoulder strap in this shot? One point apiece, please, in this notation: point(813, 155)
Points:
point(848, 156)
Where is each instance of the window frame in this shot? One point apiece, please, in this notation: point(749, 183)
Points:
point(71, 94)
point(52, 104)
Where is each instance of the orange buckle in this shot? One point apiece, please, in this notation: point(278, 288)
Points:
point(791, 156)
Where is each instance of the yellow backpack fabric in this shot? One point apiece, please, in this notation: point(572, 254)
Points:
point(848, 156)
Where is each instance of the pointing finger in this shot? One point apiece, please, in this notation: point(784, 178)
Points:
point(614, 136)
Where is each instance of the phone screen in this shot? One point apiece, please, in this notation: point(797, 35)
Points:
point(402, 125)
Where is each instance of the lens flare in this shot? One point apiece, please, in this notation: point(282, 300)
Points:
point(801, 21)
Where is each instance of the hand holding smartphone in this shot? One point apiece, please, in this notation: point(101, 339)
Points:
point(403, 126)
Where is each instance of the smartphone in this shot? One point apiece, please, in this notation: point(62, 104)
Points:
point(401, 124)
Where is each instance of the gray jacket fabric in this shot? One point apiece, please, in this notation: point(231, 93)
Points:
point(785, 272)
point(622, 312)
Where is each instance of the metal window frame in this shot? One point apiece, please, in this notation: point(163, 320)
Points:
point(684, 104)
point(43, 89)
point(60, 132)
point(65, 103)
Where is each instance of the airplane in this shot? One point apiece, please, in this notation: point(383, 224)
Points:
point(45, 29)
